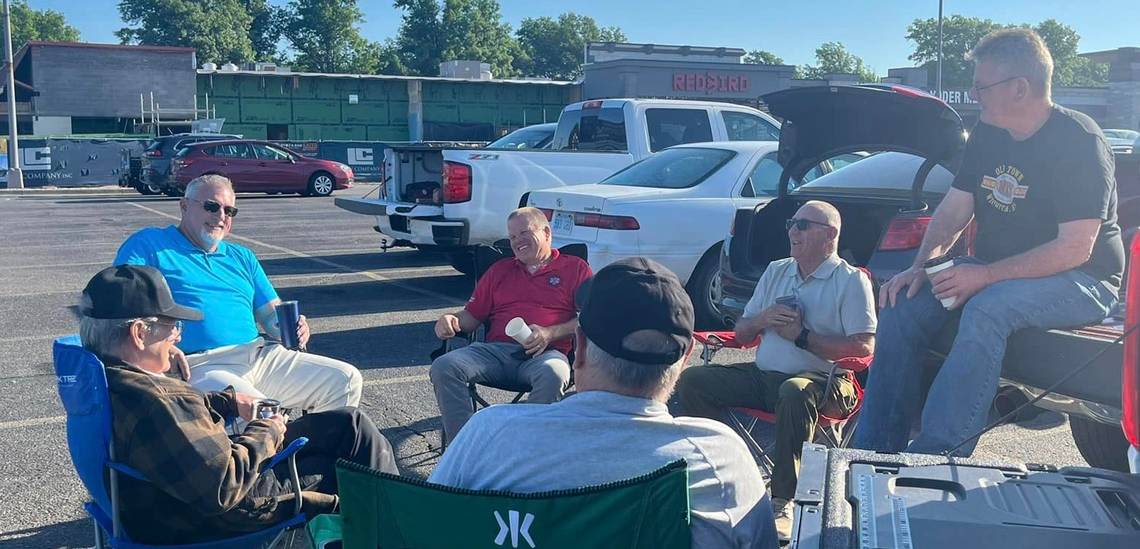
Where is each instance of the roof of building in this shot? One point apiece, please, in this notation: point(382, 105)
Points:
point(388, 77)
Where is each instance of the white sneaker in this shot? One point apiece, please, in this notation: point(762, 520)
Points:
point(782, 509)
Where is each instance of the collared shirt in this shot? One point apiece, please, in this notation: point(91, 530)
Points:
point(596, 437)
point(835, 300)
point(198, 480)
point(227, 285)
point(545, 297)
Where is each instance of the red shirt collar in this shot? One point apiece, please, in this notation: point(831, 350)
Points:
point(554, 253)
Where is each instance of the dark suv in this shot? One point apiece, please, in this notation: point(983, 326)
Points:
point(887, 201)
point(155, 176)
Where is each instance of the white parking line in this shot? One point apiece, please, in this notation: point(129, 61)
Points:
point(389, 272)
point(344, 268)
point(55, 266)
point(55, 420)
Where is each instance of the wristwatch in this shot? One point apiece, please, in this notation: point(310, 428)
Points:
point(801, 340)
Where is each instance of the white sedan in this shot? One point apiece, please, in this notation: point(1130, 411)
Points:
point(674, 207)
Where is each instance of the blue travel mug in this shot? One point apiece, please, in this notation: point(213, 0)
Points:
point(288, 316)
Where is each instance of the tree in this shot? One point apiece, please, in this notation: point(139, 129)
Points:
point(266, 29)
point(217, 29)
point(473, 30)
point(553, 48)
point(47, 25)
point(324, 34)
point(761, 57)
point(961, 34)
point(419, 43)
point(832, 58)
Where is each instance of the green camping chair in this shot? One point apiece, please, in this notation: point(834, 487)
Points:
point(384, 511)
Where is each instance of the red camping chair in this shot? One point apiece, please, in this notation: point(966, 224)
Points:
point(830, 429)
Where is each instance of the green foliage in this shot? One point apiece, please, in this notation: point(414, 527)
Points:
point(473, 30)
point(266, 29)
point(46, 25)
point(325, 37)
point(961, 34)
point(554, 48)
point(419, 43)
point(761, 57)
point(217, 29)
point(833, 57)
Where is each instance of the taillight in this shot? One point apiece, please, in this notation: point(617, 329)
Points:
point(904, 233)
point(456, 182)
point(156, 153)
point(1130, 396)
point(613, 222)
point(549, 213)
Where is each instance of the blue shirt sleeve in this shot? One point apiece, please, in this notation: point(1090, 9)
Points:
point(263, 291)
point(134, 251)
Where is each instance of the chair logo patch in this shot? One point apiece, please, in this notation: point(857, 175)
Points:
point(511, 526)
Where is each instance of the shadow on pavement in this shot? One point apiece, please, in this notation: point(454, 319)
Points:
point(371, 297)
point(77, 533)
point(379, 347)
point(364, 261)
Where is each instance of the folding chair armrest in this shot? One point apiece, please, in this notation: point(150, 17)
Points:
point(724, 340)
point(287, 453)
point(855, 363)
point(127, 470)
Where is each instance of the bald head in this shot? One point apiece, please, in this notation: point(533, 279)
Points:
point(816, 236)
point(818, 210)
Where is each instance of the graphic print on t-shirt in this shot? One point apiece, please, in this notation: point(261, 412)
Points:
point(1005, 187)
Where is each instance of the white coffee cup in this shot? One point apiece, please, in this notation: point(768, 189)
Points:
point(947, 302)
point(518, 330)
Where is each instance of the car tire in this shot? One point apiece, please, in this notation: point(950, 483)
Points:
point(148, 189)
point(1101, 445)
point(172, 191)
point(703, 284)
point(321, 184)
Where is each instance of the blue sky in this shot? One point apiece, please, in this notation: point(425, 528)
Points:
point(874, 30)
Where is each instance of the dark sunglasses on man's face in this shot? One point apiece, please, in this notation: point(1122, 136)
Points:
point(802, 224)
point(213, 207)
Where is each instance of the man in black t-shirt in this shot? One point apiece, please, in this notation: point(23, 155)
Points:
point(1038, 181)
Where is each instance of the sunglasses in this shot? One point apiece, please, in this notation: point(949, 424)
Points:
point(802, 224)
point(213, 207)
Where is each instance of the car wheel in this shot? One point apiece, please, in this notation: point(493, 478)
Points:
point(704, 289)
point(148, 189)
point(321, 184)
point(172, 191)
point(1101, 445)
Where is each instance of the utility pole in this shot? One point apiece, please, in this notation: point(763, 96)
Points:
point(939, 48)
point(15, 177)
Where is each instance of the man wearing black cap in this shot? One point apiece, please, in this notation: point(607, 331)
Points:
point(634, 336)
point(201, 485)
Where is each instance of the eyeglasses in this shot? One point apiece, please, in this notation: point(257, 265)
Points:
point(150, 323)
point(213, 207)
point(802, 224)
point(976, 89)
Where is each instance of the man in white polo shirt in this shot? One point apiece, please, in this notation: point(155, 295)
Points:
point(825, 312)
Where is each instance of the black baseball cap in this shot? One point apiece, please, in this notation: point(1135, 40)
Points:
point(631, 295)
point(132, 291)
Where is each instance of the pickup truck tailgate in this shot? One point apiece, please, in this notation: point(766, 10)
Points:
point(381, 207)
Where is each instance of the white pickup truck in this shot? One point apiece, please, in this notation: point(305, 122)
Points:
point(453, 200)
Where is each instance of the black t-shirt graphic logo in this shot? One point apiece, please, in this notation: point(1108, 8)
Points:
point(1005, 188)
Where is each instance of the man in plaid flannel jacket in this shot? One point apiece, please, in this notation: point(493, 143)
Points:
point(202, 484)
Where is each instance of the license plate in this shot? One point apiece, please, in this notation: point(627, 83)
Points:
point(563, 223)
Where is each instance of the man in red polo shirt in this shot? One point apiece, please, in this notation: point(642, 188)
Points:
point(537, 285)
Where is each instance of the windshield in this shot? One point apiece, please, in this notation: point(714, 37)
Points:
point(885, 171)
point(672, 168)
point(531, 137)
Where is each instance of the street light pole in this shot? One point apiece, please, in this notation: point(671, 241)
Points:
point(15, 177)
point(939, 48)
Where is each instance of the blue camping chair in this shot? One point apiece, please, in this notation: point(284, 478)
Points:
point(83, 391)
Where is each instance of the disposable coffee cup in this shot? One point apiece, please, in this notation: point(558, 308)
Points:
point(937, 265)
point(288, 317)
point(518, 330)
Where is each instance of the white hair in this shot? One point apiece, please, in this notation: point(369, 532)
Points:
point(104, 336)
point(647, 380)
point(208, 179)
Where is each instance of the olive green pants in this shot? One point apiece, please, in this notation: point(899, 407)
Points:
point(709, 391)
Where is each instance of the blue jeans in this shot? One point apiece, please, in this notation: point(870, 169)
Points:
point(959, 400)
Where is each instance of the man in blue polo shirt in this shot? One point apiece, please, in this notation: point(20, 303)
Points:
point(226, 282)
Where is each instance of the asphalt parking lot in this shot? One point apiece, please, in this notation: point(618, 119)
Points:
point(373, 309)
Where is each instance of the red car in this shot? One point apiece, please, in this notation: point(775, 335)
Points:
point(257, 166)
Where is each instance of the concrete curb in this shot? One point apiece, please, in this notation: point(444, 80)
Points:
point(51, 191)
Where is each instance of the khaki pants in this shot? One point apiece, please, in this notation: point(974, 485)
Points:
point(709, 391)
point(264, 369)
